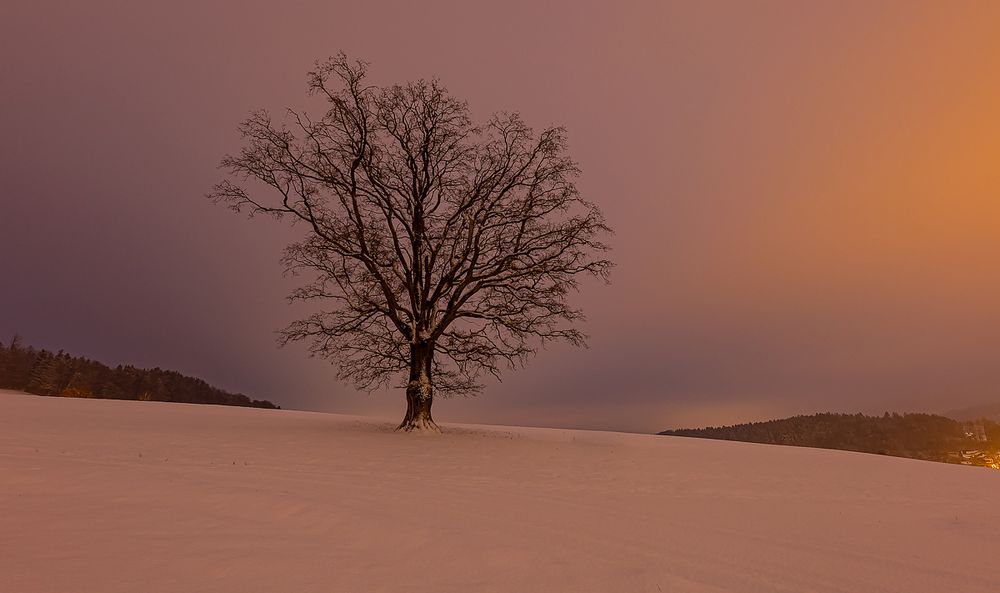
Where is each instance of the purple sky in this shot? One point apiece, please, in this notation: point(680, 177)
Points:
point(806, 195)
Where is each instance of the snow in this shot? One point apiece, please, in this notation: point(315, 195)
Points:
point(117, 496)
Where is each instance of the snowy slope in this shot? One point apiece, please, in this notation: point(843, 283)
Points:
point(114, 496)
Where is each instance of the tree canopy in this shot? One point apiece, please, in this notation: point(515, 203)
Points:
point(439, 249)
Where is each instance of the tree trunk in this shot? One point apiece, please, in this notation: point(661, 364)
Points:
point(420, 390)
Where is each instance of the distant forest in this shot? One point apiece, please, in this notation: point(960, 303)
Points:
point(917, 436)
point(58, 374)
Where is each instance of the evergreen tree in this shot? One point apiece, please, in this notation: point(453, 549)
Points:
point(44, 378)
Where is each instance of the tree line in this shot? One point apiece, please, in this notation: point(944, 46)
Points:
point(917, 436)
point(42, 372)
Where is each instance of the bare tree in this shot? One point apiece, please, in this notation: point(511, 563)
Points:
point(441, 249)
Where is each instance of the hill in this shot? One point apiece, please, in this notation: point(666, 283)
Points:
point(988, 411)
point(117, 496)
point(42, 372)
point(916, 436)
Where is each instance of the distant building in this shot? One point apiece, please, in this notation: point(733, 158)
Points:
point(976, 431)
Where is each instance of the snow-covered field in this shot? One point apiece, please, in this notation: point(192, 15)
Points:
point(114, 496)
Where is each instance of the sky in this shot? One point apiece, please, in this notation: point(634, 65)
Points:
point(805, 196)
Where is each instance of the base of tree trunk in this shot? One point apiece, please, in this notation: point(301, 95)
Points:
point(426, 425)
point(419, 397)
